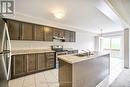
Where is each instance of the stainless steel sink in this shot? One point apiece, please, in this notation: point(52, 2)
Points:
point(84, 54)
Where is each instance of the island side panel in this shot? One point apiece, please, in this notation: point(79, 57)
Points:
point(65, 74)
point(90, 73)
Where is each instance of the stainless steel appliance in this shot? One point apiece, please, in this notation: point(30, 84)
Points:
point(59, 49)
point(5, 54)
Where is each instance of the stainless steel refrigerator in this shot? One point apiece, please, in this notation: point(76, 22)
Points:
point(5, 54)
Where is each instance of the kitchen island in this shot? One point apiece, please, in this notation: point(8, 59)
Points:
point(86, 71)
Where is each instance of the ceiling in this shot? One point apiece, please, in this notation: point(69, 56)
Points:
point(80, 14)
point(122, 8)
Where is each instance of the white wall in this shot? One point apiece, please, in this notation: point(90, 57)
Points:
point(84, 39)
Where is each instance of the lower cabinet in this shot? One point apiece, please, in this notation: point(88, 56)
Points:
point(18, 66)
point(31, 63)
point(50, 61)
point(41, 61)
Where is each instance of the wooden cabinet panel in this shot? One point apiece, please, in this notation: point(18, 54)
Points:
point(41, 61)
point(67, 36)
point(27, 31)
point(18, 65)
point(14, 28)
point(72, 36)
point(50, 63)
point(61, 32)
point(48, 34)
point(31, 63)
point(50, 60)
point(38, 33)
point(58, 32)
point(65, 74)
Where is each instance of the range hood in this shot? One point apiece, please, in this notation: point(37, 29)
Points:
point(59, 38)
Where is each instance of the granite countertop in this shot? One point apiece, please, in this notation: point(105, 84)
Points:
point(29, 51)
point(74, 59)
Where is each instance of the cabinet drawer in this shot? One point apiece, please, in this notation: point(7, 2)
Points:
point(50, 63)
point(50, 57)
point(50, 54)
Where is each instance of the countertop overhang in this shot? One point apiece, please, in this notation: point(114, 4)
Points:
point(75, 59)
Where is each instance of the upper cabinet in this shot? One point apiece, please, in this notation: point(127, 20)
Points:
point(72, 36)
point(48, 33)
point(38, 33)
point(14, 29)
point(58, 32)
point(28, 31)
point(67, 36)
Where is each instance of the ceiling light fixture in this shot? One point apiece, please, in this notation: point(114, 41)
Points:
point(58, 13)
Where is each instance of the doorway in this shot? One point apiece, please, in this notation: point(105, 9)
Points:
point(112, 45)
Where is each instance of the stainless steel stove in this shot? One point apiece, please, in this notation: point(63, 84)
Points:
point(59, 49)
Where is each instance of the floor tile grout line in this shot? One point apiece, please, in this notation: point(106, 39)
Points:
point(45, 79)
point(35, 80)
point(23, 81)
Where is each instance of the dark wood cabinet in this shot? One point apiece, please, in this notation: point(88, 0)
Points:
point(14, 28)
point(67, 36)
point(48, 33)
point(41, 61)
point(72, 36)
point(31, 63)
point(18, 66)
point(58, 32)
point(27, 31)
point(50, 63)
point(50, 60)
point(38, 33)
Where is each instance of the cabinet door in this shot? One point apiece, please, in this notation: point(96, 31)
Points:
point(38, 33)
point(50, 60)
point(58, 32)
point(27, 31)
point(55, 32)
point(41, 61)
point(67, 36)
point(72, 36)
point(48, 34)
point(61, 33)
point(14, 29)
point(31, 63)
point(18, 65)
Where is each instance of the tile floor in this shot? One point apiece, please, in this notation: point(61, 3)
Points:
point(50, 78)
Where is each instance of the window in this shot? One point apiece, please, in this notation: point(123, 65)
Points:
point(106, 43)
point(115, 43)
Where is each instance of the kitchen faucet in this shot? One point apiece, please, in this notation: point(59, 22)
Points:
point(87, 52)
